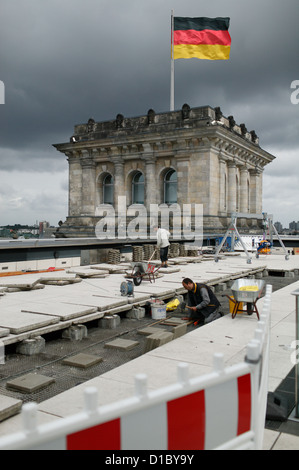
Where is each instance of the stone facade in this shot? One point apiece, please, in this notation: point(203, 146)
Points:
point(212, 160)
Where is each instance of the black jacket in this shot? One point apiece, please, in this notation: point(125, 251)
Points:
point(204, 299)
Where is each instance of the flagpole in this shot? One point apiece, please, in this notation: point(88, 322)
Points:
point(172, 68)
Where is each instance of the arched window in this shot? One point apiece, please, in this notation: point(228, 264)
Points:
point(138, 188)
point(108, 189)
point(170, 187)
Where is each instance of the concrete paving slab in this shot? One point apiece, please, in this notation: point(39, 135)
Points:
point(58, 276)
point(102, 303)
point(169, 270)
point(123, 344)
point(62, 310)
point(174, 321)
point(29, 383)
point(88, 272)
point(9, 407)
point(149, 330)
point(19, 322)
point(4, 332)
point(20, 282)
point(82, 360)
point(138, 297)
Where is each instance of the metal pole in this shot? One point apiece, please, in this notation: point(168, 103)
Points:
point(172, 68)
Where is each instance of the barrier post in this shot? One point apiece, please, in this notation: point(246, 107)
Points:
point(296, 293)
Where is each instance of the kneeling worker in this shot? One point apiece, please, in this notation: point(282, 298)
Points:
point(202, 302)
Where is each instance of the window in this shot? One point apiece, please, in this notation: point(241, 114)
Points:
point(138, 188)
point(170, 187)
point(108, 189)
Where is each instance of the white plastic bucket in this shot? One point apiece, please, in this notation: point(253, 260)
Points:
point(158, 311)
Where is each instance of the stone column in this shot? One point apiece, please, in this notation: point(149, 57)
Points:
point(88, 184)
point(256, 191)
point(150, 181)
point(183, 196)
point(232, 187)
point(244, 189)
point(119, 180)
point(75, 184)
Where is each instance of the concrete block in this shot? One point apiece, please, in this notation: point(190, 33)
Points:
point(29, 383)
point(32, 346)
point(124, 344)
point(157, 339)
point(75, 333)
point(136, 313)
point(109, 321)
point(289, 274)
point(179, 330)
point(82, 360)
point(9, 407)
point(220, 287)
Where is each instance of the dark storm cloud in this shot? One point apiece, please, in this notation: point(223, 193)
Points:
point(64, 62)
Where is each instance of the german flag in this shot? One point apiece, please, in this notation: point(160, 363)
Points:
point(202, 38)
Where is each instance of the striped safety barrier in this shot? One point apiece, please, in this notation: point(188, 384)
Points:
point(191, 422)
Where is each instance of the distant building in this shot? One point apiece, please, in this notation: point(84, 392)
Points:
point(278, 227)
point(190, 156)
point(294, 226)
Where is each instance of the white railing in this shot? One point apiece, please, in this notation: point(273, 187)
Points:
point(224, 409)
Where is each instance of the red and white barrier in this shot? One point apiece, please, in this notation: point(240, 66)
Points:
point(221, 410)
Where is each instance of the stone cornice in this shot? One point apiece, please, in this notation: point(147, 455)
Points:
point(172, 142)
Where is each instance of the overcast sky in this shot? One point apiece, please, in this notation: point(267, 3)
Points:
point(63, 62)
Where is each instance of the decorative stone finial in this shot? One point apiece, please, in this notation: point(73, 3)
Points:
point(151, 116)
point(119, 121)
point(218, 113)
point(185, 111)
point(231, 122)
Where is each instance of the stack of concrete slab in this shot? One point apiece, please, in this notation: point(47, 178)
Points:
point(112, 268)
point(89, 272)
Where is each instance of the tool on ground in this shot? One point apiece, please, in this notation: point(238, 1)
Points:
point(143, 268)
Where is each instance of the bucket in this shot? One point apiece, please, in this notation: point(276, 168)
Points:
point(158, 310)
point(232, 305)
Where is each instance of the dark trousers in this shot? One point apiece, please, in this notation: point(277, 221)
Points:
point(164, 254)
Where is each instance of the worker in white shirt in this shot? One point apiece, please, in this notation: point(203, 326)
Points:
point(163, 244)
